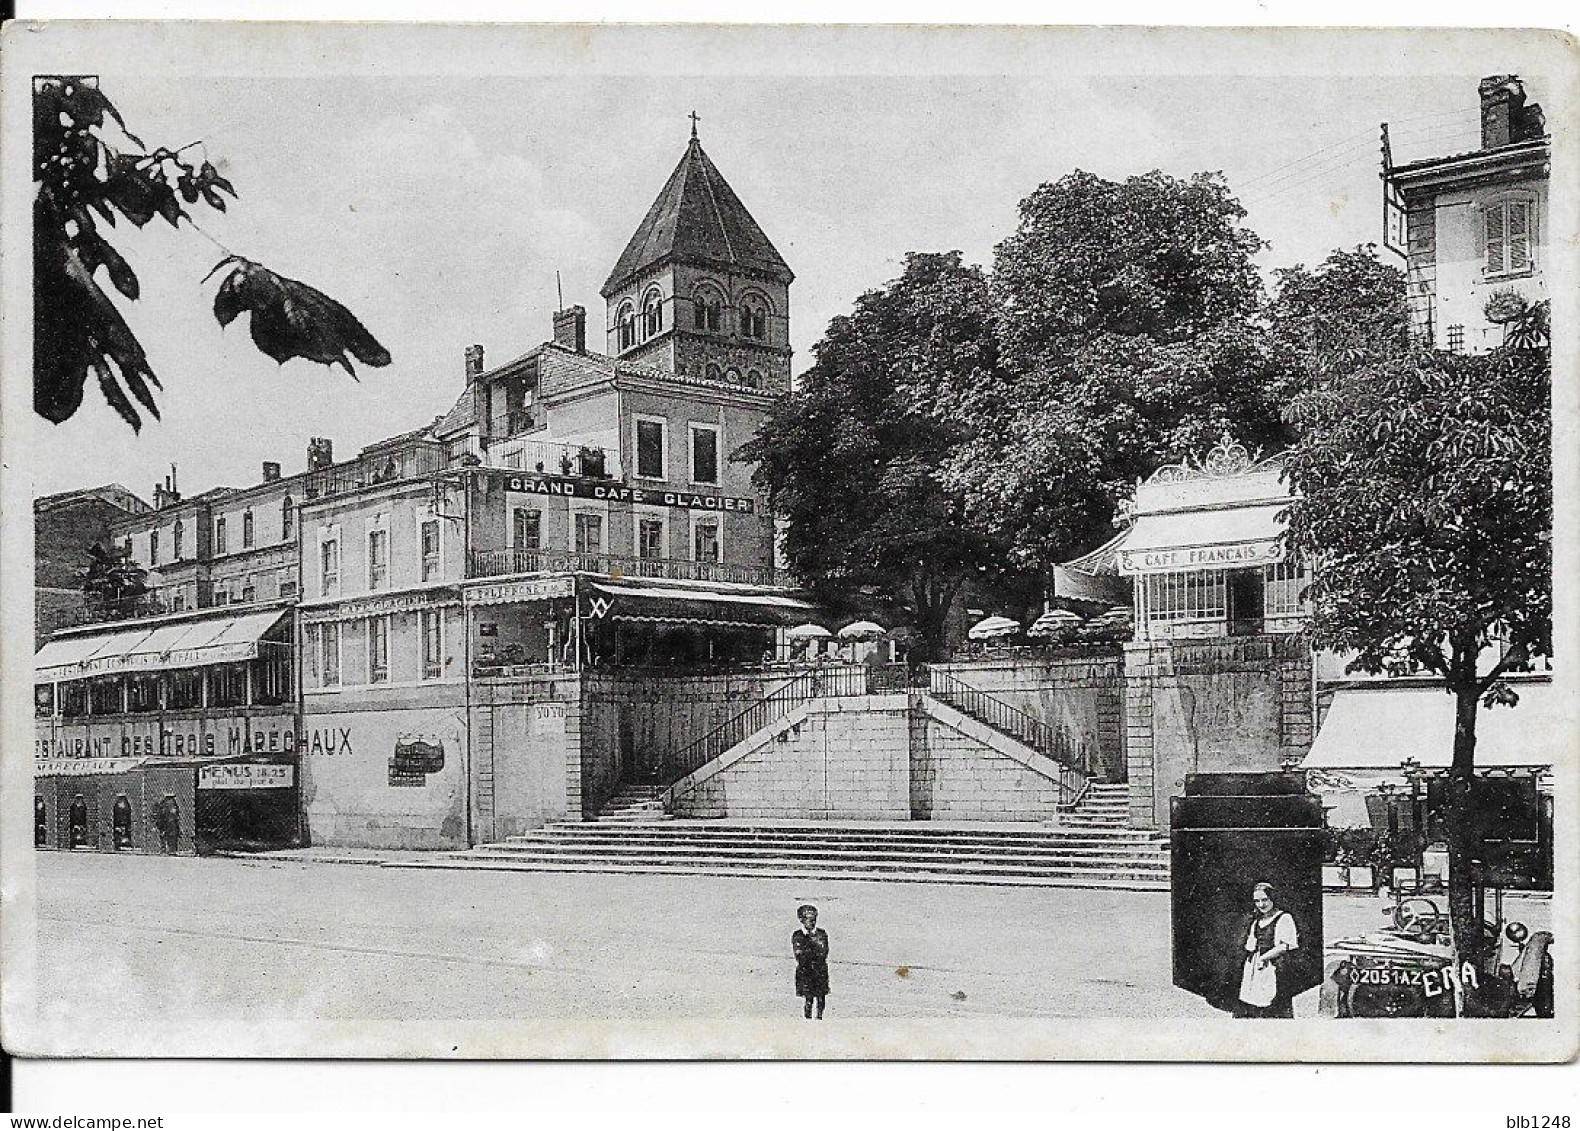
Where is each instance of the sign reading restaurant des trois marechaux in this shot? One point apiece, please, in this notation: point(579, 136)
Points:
point(620, 493)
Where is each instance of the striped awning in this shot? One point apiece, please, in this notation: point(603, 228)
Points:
point(186, 643)
point(664, 602)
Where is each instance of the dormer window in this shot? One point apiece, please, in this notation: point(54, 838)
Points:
point(626, 323)
point(1510, 231)
point(754, 318)
point(652, 314)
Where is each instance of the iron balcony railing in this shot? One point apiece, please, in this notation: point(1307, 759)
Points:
point(501, 563)
point(157, 601)
point(1030, 731)
point(799, 689)
point(409, 463)
point(548, 458)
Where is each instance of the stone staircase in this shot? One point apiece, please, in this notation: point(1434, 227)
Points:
point(1103, 806)
point(635, 803)
point(1026, 855)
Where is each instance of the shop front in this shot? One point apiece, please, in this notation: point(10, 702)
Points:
point(1381, 758)
point(174, 735)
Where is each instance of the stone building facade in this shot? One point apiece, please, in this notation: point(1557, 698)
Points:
point(1475, 226)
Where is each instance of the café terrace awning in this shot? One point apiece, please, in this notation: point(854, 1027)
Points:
point(1230, 537)
point(727, 606)
point(187, 643)
point(1379, 728)
point(1226, 538)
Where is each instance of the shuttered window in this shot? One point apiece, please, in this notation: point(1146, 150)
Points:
point(1510, 232)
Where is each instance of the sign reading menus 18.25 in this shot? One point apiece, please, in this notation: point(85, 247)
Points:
point(246, 775)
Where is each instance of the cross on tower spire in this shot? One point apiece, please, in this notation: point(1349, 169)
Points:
point(694, 120)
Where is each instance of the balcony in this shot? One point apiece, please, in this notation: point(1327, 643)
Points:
point(415, 462)
point(547, 458)
point(502, 563)
point(158, 601)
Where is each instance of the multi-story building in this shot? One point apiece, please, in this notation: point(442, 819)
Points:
point(66, 527)
point(1473, 227)
point(455, 588)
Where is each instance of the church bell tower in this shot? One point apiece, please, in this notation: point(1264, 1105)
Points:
point(700, 290)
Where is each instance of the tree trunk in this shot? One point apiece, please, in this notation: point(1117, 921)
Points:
point(1464, 840)
point(932, 615)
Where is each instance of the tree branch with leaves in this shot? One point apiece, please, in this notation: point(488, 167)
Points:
point(89, 178)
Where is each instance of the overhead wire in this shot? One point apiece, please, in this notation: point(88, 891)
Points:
point(1355, 154)
point(1337, 149)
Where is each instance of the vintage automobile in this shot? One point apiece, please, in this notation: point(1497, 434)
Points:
point(1407, 969)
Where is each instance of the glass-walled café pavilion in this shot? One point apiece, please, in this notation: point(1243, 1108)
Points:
point(1203, 548)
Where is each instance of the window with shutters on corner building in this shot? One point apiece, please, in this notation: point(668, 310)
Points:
point(1510, 230)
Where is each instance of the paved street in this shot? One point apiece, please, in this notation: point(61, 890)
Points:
point(152, 938)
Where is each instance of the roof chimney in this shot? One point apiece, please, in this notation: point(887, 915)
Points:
point(271, 471)
point(570, 328)
point(320, 453)
point(474, 363)
point(1502, 109)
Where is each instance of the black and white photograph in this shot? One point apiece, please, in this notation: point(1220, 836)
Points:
point(789, 542)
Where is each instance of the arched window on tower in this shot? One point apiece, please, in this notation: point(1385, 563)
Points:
point(713, 372)
point(754, 379)
point(707, 309)
point(754, 318)
point(652, 314)
point(626, 321)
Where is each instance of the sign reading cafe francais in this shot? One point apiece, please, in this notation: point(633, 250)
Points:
point(1264, 552)
point(620, 493)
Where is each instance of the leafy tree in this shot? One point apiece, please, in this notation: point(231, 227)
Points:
point(1129, 333)
point(1333, 319)
point(114, 581)
point(853, 457)
point(1425, 508)
point(87, 176)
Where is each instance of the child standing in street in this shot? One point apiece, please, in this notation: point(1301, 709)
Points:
point(810, 945)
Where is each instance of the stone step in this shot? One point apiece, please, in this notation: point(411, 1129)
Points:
point(806, 872)
point(923, 830)
point(1029, 864)
point(675, 831)
point(657, 834)
point(843, 861)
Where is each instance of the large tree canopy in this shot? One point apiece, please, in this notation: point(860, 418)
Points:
point(87, 176)
point(1348, 311)
point(1425, 509)
point(1128, 324)
point(852, 457)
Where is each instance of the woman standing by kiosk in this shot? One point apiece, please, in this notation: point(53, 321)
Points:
point(1270, 935)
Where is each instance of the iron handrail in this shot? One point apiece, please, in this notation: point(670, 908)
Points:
point(1024, 728)
point(799, 689)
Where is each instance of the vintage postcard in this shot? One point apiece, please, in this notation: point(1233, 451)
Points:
point(789, 542)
